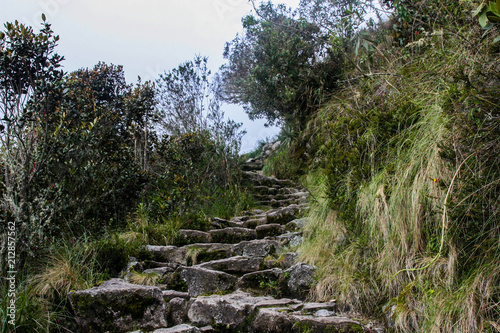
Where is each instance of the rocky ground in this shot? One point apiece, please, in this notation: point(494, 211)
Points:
point(241, 276)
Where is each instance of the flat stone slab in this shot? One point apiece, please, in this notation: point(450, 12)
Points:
point(278, 320)
point(234, 265)
point(118, 306)
point(232, 235)
point(183, 328)
point(296, 225)
point(285, 261)
point(170, 294)
point(314, 307)
point(257, 248)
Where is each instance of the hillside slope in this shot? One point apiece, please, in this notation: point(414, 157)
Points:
point(403, 164)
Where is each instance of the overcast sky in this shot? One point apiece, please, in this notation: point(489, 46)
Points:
point(147, 37)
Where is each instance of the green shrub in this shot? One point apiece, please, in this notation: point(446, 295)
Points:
point(112, 254)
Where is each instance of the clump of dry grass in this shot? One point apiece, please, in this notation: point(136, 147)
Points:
point(145, 279)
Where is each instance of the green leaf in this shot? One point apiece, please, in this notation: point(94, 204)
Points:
point(483, 19)
point(494, 8)
point(492, 17)
point(496, 40)
point(44, 18)
point(478, 10)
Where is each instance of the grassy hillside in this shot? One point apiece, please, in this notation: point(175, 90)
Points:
point(404, 166)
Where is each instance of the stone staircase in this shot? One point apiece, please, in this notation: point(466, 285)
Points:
point(241, 276)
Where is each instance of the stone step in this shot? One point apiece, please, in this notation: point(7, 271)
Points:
point(281, 196)
point(235, 265)
point(201, 281)
point(283, 215)
point(121, 307)
point(261, 180)
point(193, 254)
point(232, 235)
point(280, 203)
point(118, 306)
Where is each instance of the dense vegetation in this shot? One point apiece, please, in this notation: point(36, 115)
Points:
point(392, 124)
point(403, 164)
point(94, 168)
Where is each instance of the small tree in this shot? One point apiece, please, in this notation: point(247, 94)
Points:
point(29, 76)
point(280, 68)
point(184, 97)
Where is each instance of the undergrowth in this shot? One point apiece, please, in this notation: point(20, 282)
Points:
point(404, 222)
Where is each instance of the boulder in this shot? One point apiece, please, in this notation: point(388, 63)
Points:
point(198, 281)
point(230, 313)
point(273, 320)
point(176, 311)
point(118, 306)
point(300, 279)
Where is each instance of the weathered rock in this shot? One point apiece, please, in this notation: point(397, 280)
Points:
point(198, 253)
point(169, 253)
point(300, 280)
point(118, 306)
point(176, 311)
point(232, 235)
point(285, 261)
point(184, 328)
point(269, 230)
point(159, 270)
point(273, 320)
point(328, 324)
point(293, 239)
point(314, 307)
point(283, 215)
point(230, 312)
point(257, 248)
point(171, 294)
point(192, 236)
point(261, 279)
point(295, 225)
point(279, 320)
point(234, 265)
point(199, 281)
